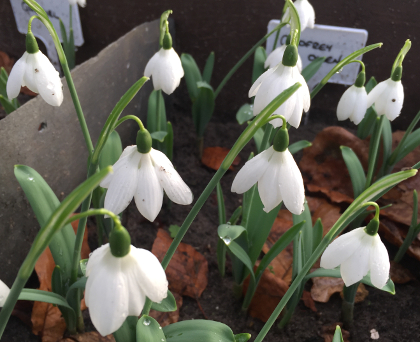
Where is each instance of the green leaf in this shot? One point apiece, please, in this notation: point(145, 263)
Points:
point(244, 337)
point(152, 112)
point(169, 141)
point(159, 136)
point(310, 70)
point(338, 337)
point(372, 83)
point(260, 55)
point(7, 105)
point(71, 55)
point(299, 145)
point(111, 151)
point(317, 233)
point(57, 285)
point(220, 204)
point(3, 82)
point(365, 127)
point(412, 141)
point(198, 330)
point(192, 75)
point(203, 107)
point(168, 304)
point(386, 144)
point(127, 332)
point(306, 231)
point(173, 230)
point(208, 68)
point(63, 36)
point(163, 19)
point(355, 168)
point(258, 138)
point(149, 330)
point(244, 113)
point(83, 264)
point(44, 296)
point(228, 232)
point(44, 202)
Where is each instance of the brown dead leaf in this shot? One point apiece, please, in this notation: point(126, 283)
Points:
point(214, 156)
point(328, 331)
point(6, 62)
point(361, 293)
point(324, 287)
point(308, 301)
point(46, 318)
point(328, 213)
point(91, 336)
point(166, 318)
point(188, 269)
point(400, 274)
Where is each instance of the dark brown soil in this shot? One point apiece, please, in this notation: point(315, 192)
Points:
point(396, 318)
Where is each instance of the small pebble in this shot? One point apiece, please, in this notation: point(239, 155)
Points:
point(374, 335)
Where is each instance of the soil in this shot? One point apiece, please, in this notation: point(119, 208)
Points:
point(396, 318)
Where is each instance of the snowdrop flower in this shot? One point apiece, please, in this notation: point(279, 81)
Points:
point(306, 14)
point(143, 173)
point(278, 177)
point(165, 67)
point(82, 3)
point(4, 292)
point(274, 81)
point(388, 96)
point(35, 71)
point(359, 252)
point(353, 103)
point(275, 57)
point(120, 277)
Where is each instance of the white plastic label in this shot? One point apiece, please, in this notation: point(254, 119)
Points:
point(55, 10)
point(332, 42)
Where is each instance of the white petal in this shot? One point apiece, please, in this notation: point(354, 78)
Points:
point(395, 100)
point(299, 63)
point(256, 86)
point(151, 275)
point(170, 180)
point(47, 80)
point(360, 106)
point(4, 292)
point(151, 65)
point(376, 92)
point(106, 296)
point(275, 57)
point(306, 94)
point(357, 265)
point(14, 82)
point(251, 172)
point(136, 295)
point(379, 263)
point(123, 184)
point(28, 76)
point(107, 180)
point(269, 185)
point(296, 115)
point(149, 192)
point(96, 258)
point(346, 104)
point(291, 184)
point(342, 248)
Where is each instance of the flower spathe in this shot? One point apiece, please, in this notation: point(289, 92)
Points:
point(81, 3)
point(118, 287)
point(388, 97)
point(166, 70)
point(271, 84)
point(4, 292)
point(352, 105)
point(276, 56)
point(35, 71)
point(306, 14)
point(278, 177)
point(358, 253)
point(144, 177)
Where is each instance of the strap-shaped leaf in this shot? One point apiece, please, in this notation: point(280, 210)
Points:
point(310, 70)
point(260, 55)
point(338, 337)
point(3, 82)
point(7, 104)
point(245, 113)
point(155, 108)
point(299, 145)
point(127, 332)
point(203, 107)
point(111, 151)
point(198, 330)
point(412, 141)
point(192, 75)
point(168, 304)
point(365, 127)
point(317, 233)
point(208, 68)
point(169, 141)
point(44, 296)
point(306, 233)
point(355, 168)
point(159, 135)
point(149, 330)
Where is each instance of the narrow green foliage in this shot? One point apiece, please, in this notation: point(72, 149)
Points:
point(203, 107)
point(355, 168)
point(168, 304)
point(311, 69)
point(149, 330)
point(260, 55)
point(208, 68)
point(192, 75)
point(173, 230)
point(198, 330)
point(244, 113)
point(365, 127)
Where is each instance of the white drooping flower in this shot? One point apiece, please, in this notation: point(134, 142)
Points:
point(144, 176)
point(279, 179)
point(166, 70)
point(276, 56)
point(306, 14)
point(35, 71)
point(388, 97)
point(358, 253)
point(273, 82)
point(82, 3)
point(118, 287)
point(4, 292)
point(352, 105)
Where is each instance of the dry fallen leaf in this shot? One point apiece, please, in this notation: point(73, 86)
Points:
point(91, 336)
point(308, 301)
point(188, 269)
point(46, 318)
point(6, 62)
point(324, 287)
point(328, 332)
point(214, 156)
point(166, 318)
point(400, 274)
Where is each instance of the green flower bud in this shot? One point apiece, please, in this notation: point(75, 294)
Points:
point(372, 227)
point(360, 80)
point(167, 41)
point(397, 74)
point(281, 140)
point(119, 242)
point(144, 141)
point(31, 44)
point(290, 56)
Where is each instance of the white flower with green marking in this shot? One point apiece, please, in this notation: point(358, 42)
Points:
point(117, 287)
point(353, 105)
point(306, 14)
point(144, 176)
point(276, 56)
point(81, 3)
point(358, 253)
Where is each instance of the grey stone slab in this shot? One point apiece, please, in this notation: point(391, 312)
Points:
point(58, 151)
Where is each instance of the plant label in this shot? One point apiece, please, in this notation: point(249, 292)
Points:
point(56, 10)
point(332, 42)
